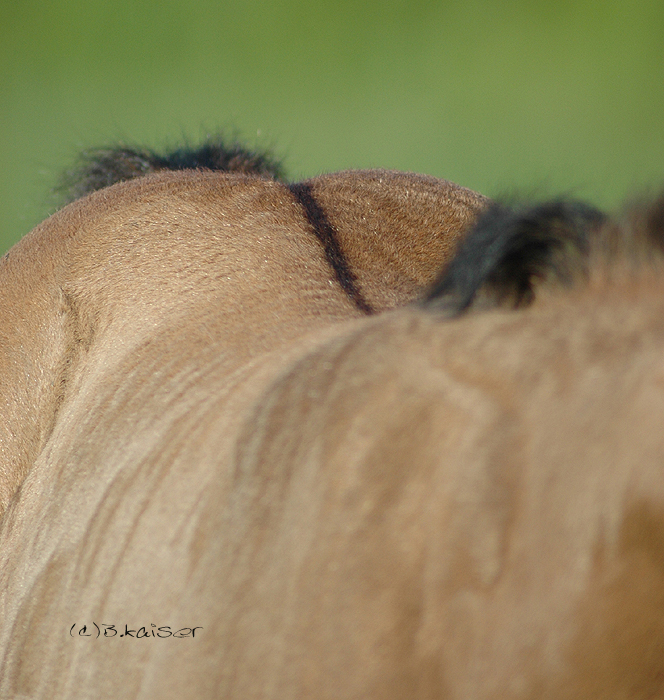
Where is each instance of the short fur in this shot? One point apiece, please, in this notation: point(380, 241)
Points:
point(390, 231)
point(201, 429)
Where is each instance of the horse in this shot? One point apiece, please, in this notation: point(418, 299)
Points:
point(369, 435)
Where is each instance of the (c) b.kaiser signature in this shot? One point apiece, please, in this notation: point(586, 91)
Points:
point(104, 630)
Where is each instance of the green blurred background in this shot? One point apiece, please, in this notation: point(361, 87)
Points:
point(500, 96)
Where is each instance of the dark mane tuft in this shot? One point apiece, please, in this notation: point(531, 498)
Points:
point(509, 253)
point(101, 167)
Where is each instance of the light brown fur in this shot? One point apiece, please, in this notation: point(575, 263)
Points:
point(396, 506)
point(223, 261)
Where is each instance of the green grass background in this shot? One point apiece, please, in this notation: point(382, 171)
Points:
point(501, 96)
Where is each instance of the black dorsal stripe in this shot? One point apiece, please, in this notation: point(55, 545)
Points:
point(326, 234)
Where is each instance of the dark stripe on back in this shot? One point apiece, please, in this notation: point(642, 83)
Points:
point(328, 237)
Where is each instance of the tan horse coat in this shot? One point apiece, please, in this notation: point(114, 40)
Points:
point(209, 436)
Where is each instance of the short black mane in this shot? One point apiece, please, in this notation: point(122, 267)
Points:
point(508, 253)
point(101, 167)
